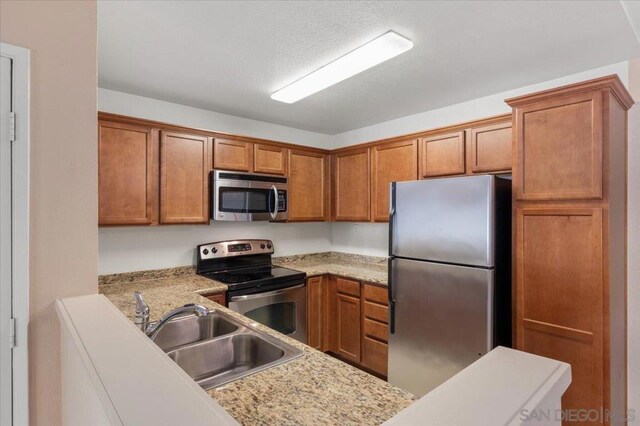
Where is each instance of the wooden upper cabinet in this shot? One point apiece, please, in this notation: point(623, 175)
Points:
point(127, 174)
point(184, 170)
point(442, 155)
point(232, 155)
point(559, 148)
point(560, 293)
point(352, 185)
point(270, 159)
point(391, 162)
point(490, 148)
point(308, 186)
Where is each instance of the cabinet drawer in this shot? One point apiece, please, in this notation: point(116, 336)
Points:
point(375, 355)
point(376, 329)
point(376, 311)
point(349, 287)
point(376, 294)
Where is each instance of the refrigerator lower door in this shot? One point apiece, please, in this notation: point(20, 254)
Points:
point(443, 322)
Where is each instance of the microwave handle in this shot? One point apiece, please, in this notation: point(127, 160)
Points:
point(274, 213)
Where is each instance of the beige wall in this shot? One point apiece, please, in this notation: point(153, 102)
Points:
point(633, 242)
point(63, 235)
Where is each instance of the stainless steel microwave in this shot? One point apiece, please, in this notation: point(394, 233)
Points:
point(247, 197)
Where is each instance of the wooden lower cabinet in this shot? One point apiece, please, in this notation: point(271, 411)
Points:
point(356, 318)
point(219, 298)
point(375, 355)
point(348, 327)
point(375, 336)
point(315, 311)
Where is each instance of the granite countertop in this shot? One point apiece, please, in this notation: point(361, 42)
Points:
point(368, 269)
point(312, 389)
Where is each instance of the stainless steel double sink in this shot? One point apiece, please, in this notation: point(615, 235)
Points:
point(216, 349)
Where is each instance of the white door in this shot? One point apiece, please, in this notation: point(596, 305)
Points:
point(5, 245)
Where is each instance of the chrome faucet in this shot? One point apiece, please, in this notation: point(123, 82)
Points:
point(151, 329)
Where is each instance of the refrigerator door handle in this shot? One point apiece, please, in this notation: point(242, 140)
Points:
point(392, 301)
point(392, 214)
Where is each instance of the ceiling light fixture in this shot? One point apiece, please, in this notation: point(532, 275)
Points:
point(378, 50)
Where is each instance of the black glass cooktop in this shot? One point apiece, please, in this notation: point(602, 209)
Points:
point(254, 277)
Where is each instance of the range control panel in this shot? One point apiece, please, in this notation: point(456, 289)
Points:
point(234, 248)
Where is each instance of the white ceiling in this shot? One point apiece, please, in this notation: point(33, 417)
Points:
point(230, 56)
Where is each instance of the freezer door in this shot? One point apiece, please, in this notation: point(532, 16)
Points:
point(442, 322)
point(447, 220)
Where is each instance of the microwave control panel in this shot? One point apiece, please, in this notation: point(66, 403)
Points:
point(282, 200)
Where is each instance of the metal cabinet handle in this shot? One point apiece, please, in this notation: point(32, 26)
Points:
point(261, 295)
point(392, 301)
point(274, 213)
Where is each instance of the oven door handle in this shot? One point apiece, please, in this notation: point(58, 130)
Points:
point(268, 294)
point(274, 213)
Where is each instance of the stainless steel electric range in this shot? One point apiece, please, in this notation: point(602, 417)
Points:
point(271, 295)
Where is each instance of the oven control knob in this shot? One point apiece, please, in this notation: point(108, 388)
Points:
point(214, 250)
point(205, 252)
point(268, 245)
point(262, 246)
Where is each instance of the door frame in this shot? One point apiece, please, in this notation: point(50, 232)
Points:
point(20, 228)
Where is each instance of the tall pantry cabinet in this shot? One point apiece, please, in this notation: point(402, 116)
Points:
point(569, 183)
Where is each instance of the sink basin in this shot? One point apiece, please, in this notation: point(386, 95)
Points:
point(190, 329)
point(216, 349)
point(216, 362)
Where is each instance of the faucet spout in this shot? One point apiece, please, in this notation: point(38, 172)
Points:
point(142, 312)
point(191, 308)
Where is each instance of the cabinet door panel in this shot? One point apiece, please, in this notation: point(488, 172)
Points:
point(442, 155)
point(348, 327)
point(560, 259)
point(233, 155)
point(184, 171)
point(491, 148)
point(394, 162)
point(559, 149)
point(270, 159)
point(127, 175)
point(586, 388)
point(315, 306)
point(352, 186)
point(559, 293)
point(308, 186)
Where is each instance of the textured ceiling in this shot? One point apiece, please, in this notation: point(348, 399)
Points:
point(230, 56)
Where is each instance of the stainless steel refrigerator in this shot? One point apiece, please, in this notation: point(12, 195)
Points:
point(449, 276)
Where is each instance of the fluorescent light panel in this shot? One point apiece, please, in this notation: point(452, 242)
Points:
point(378, 50)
